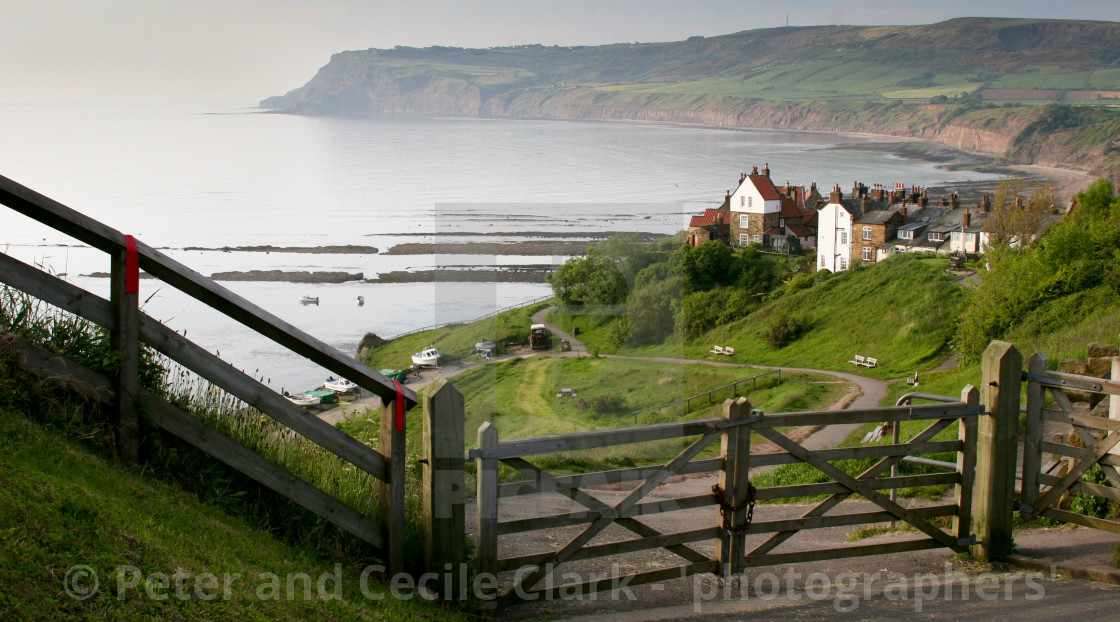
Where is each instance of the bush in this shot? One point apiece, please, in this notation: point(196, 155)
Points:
point(782, 332)
point(606, 404)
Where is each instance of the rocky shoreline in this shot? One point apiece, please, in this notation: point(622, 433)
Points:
point(310, 250)
point(545, 248)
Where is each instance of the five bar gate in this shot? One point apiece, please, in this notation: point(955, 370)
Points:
point(1099, 439)
point(530, 575)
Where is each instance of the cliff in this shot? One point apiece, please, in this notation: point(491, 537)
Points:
point(923, 82)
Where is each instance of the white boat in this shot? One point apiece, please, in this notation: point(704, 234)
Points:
point(309, 300)
point(340, 385)
point(428, 357)
point(302, 400)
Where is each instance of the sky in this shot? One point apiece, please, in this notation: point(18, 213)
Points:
point(241, 51)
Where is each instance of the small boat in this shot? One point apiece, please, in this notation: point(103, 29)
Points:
point(393, 374)
point(340, 385)
point(302, 400)
point(428, 357)
point(309, 300)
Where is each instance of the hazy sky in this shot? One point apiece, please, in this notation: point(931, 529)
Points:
point(244, 50)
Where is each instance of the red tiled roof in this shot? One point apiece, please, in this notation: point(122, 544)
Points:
point(789, 209)
point(798, 230)
point(709, 217)
point(774, 231)
point(764, 186)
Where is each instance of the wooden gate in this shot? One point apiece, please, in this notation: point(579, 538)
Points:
point(1093, 441)
point(529, 575)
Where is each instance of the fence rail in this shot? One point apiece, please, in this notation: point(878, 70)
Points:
point(734, 386)
point(128, 327)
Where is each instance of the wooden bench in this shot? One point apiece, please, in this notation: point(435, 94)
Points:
point(871, 362)
point(858, 360)
point(717, 350)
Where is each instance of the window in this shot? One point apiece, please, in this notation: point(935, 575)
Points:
point(956, 236)
point(742, 201)
point(936, 236)
point(843, 262)
point(757, 239)
point(867, 233)
point(781, 222)
point(750, 201)
point(843, 236)
point(744, 239)
point(822, 261)
point(867, 250)
point(743, 221)
point(970, 238)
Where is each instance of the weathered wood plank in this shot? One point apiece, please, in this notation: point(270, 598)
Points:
point(581, 517)
point(1108, 492)
point(237, 308)
point(1050, 496)
point(124, 339)
point(520, 447)
point(865, 451)
point(1074, 381)
point(486, 508)
point(55, 291)
point(774, 559)
point(996, 450)
point(1079, 519)
point(870, 415)
point(444, 499)
point(261, 397)
point(616, 548)
point(598, 478)
point(966, 467)
point(1086, 421)
point(1033, 430)
point(392, 441)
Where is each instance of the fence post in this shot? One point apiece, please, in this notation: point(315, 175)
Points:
point(1032, 436)
point(392, 446)
point(442, 477)
point(1114, 400)
point(125, 339)
point(486, 471)
point(966, 467)
point(735, 449)
point(997, 451)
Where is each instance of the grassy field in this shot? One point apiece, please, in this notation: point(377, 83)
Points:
point(457, 340)
point(901, 311)
point(62, 506)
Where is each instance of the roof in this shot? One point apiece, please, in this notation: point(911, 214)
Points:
point(876, 216)
point(765, 187)
point(913, 226)
point(799, 229)
point(709, 217)
point(789, 209)
point(774, 231)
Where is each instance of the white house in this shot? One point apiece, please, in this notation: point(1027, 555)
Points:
point(834, 233)
point(755, 208)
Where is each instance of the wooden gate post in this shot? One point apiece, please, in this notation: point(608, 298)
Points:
point(966, 468)
point(442, 480)
point(124, 338)
point(997, 451)
point(1032, 435)
point(392, 446)
point(735, 449)
point(486, 472)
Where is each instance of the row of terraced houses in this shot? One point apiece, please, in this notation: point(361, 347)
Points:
point(867, 225)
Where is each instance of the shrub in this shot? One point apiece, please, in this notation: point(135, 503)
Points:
point(782, 332)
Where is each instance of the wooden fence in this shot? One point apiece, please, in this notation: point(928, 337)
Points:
point(731, 503)
point(129, 327)
point(707, 395)
point(1092, 441)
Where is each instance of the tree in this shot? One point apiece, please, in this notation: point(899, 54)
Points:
point(591, 279)
point(1021, 212)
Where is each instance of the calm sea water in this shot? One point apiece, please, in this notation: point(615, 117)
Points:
point(219, 175)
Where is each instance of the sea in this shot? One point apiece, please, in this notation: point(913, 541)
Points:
point(200, 180)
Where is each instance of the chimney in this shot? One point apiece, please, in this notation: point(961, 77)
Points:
point(877, 192)
point(967, 220)
point(766, 169)
point(812, 187)
point(836, 195)
point(902, 210)
point(742, 176)
point(985, 204)
point(954, 201)
point(754, 170)
point(865, 204)
point(923, 199)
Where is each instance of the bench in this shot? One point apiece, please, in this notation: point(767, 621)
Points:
point(717, 350)
point(864, 361)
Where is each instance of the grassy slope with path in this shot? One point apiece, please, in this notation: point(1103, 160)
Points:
point(62, 506)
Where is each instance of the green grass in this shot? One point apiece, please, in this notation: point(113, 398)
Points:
point(457, 340)
point(62, 505)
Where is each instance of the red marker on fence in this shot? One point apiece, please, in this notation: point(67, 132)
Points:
point(398, 416)
point(131, 266)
